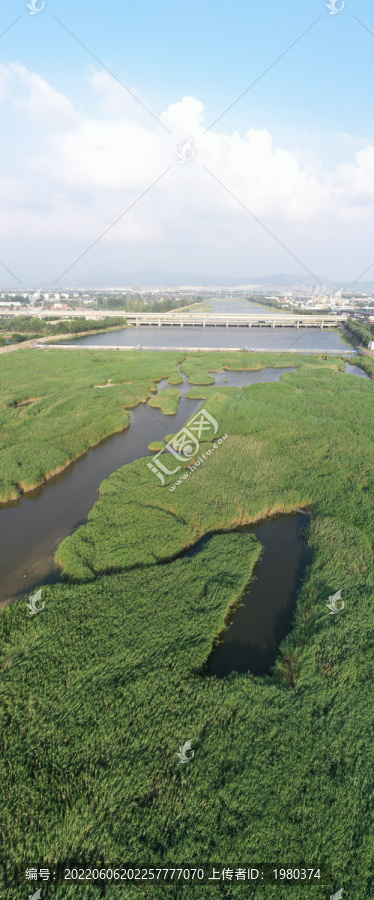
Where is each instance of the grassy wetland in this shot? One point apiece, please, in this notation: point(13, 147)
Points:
point(68, 412)
point(99, 691)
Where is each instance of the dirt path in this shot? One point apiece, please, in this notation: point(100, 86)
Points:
point(366, 352)
point(353, 341)
point(44, 340)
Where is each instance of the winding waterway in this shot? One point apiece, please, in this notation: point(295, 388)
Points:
point(32, 527)
point(257, 628)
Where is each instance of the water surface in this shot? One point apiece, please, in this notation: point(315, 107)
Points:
point(32, 527)
point(306, 340)
point(258, 627)
point(355, 370)
point(173, 337)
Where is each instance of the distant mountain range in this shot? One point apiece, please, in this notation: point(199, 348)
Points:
point(157, 279)
point(154, 279)
point(178, 279)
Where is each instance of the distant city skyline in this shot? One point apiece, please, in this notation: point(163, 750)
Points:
point(134, 140)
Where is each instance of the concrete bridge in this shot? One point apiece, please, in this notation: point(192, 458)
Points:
point(220, 320)
point(203, 319)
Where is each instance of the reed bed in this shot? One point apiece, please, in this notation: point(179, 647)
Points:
point(99, 691)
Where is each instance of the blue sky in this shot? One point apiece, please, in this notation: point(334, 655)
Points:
point(314, 102)
point(212, 51)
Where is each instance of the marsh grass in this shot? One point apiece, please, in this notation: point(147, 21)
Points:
point(167, 400)
point(156, 445)
point(72, 415)
point(200, 378)
point(176, 378)
point(305, 440)
point(100, 691)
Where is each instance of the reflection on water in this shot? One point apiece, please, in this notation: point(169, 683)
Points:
point(257, 628)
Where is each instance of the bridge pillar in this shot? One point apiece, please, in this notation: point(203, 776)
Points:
point(227, 323)
point(159, 323)
point(273, 325)
point(182, 323)
point(203, 323)
point(321, 324)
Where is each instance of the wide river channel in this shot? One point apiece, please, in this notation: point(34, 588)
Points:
point(265, 339)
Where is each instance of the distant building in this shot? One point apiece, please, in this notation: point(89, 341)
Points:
point(371, 345)
point(11, 303)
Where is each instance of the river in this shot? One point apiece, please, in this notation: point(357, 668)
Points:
point(258, 627)
point(301, 340)
point(32, 527)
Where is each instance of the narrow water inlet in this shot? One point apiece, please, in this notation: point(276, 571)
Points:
point(355, 370)
point(256, 629)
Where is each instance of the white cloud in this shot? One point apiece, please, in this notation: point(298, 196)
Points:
point(79, 174)
point(5, 82)
point(184, 118)
point(33, 98)
point(114, 99)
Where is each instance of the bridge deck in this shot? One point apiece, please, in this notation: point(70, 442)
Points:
point(220, 320)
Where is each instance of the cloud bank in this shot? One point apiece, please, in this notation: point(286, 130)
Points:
point(67, 177)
